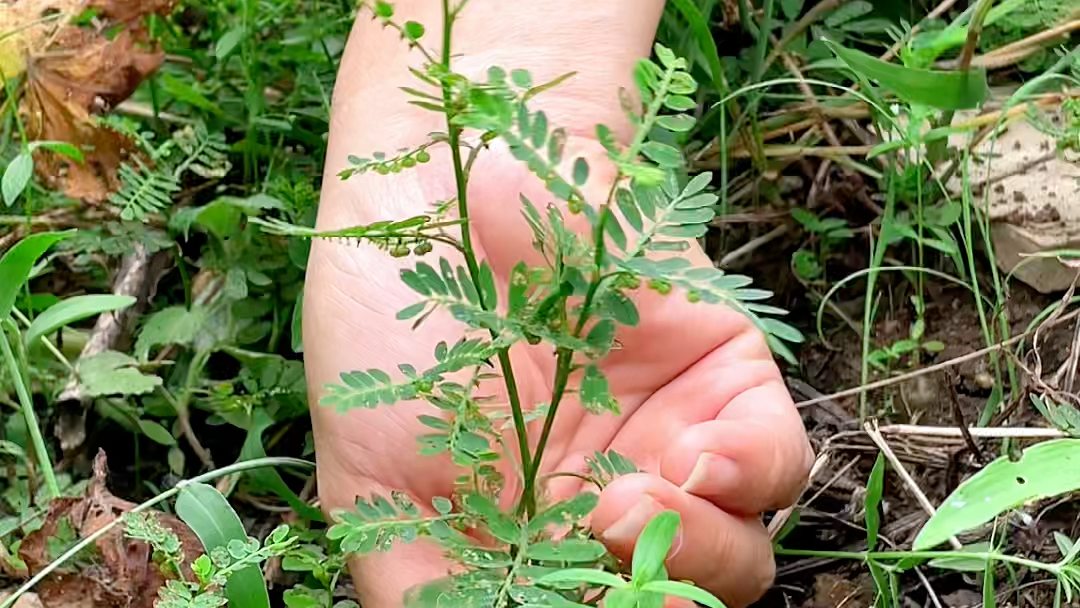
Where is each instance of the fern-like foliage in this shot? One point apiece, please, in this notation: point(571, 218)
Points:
point(144, 190)
point(204, 153)
point(376, 523)
point(607, 466)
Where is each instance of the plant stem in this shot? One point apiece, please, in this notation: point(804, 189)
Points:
point(461, 183)
point(563, 361)
point(27, 406)
point(1052, 568)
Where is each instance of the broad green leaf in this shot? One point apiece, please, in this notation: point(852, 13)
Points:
point(74, 309)
point(938, 89)
point(653, 545)
point(268, 477)
point(572, 551)
point(702, 31)
point(583, 575)
point(113, 373)
point(791, 8)
point(228, 42)
point(173, 325)
point(209, 515)
point(1044, 470)
point(16, 177)
point(156, 432)
point(18, 262)
point(683, 590)
point(874, 489)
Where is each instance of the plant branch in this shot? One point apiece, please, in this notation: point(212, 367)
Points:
point(461, 184)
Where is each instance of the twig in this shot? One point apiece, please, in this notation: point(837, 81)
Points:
point(1016, 51)
point(819, 10)
point(858, 390)
point(782, 516)
point(924, 502)
point(844, 469)
point(974, 431)
point(131, 280)
point(958, 415)
point(793, 150)
point(752, 245)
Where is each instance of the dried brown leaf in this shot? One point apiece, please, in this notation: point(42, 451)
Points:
point(125, 576)
point(74, 73)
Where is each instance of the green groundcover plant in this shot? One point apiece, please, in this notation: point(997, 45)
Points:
point(540, 554)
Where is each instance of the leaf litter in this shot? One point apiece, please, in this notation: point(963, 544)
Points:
point(72, 69)
point(120, 572)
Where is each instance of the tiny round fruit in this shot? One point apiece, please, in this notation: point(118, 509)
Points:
point(423, 156)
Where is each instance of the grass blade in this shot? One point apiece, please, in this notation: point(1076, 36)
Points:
point(269, 478)
point(18, 262)
point(937, 89)
point(209, 515)
point(74, 309)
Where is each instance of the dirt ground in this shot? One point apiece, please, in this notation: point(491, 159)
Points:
point(831, 513)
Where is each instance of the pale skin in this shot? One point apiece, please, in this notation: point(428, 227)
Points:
point(704, 408)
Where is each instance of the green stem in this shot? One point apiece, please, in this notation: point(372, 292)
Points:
point(27, 407)
point(461, 184)
point(1053, 568)
point(167, 494)
point(563, 361)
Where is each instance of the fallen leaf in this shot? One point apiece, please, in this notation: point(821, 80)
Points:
point(124, 576)
point(74, 73)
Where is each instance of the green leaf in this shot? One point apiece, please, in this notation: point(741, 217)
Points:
point(228, 42)
point(847, 12)
point(268, 477)
point(1043, 470)
point(874, 490)
point(683, 590)
point(601, 336)
point(173, 325)
point(572, 510)
point(521, 78)
point(791, 8)
point(595, 393)
point(571, 551)
point(113, 373)
point(16, 177)
point(209, 515)
point(679, 123)
point(488, 293)
point(937, 89)
point(652, 547)
point(965, 564)
point(581, 172)
point(679, 103)
point(500, 524)
point(615, 305)
point(582, 575)
point(411, 311)
point(662, 154)
point(156, 432)
point(18, 262)
point(71, 310)
point(629, 209)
